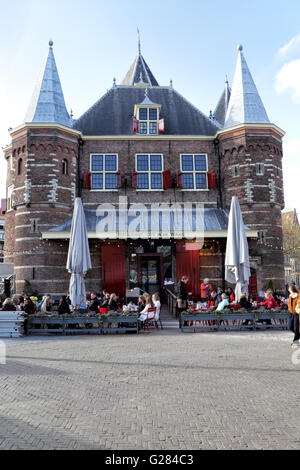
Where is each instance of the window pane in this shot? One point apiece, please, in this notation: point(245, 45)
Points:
point(97, 162)
point(142, 163)
point(143, 114)
point(155, 163)
point(110, 163)
point(97, 181)
point(153, 114)
point(187, 162)
point(187, 181)
point(143, 181)
point(152, 128)
point(143, 127)
point(110, 181)
point(156, 181)
point(200, 162)
point(200, 180)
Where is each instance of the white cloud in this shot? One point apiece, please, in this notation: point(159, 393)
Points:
point(291, 171)
point(292, 46)
point(288, 79)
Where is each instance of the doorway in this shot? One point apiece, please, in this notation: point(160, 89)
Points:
point(150, 272)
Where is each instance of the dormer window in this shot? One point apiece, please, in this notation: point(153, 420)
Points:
point(146, 117)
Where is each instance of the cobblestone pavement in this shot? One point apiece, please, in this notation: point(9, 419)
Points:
point(158, 390)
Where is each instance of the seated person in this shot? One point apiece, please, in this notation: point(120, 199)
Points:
point(230, 294)
point(213, 299)
point(63, 306)
point(144, 313)
point(269, 303)
point(157, 305)
point(8, 305)
point(105, 301)
point(141, 303)
point(244, 303)
point(206, 289)
point(224, 303)
point(112, 303)
point(94, 303)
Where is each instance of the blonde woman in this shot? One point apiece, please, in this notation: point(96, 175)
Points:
point(113, 304)
point(47, 304)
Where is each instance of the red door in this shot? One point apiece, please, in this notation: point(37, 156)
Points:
point(113, 269)
point(187, 264)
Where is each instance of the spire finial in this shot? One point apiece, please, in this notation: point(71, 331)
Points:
point(139, 40)
point(50, 43)
point(146, 92)
point(226, 79)
point(71, 114)
point(171, 83)
point(114, 82)
point(239, 47)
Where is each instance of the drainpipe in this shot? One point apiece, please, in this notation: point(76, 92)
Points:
point(220, 204)
point(80, 153)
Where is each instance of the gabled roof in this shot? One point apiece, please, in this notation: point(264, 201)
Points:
point(112, 114)
point(139, 72)
point(47, 103)
point(222, 106)
point(245, 104)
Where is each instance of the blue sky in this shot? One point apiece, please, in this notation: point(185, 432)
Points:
point(192, 42)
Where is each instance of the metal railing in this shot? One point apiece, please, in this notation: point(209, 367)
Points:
point(172, 302)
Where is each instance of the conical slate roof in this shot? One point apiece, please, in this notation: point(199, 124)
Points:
point(222, 106)
point(245, 105)
point(47, 103)
point(139, 72)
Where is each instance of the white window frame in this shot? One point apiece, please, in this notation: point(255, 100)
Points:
point(150, 172)
point(260, 169)
point(148, 121)
point(194, 172)
point(104, 172)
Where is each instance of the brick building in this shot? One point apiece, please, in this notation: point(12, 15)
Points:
point(143, 143)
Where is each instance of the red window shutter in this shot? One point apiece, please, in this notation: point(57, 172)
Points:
point(161, 126)
point(211, 179)
point(119, 179)
point(179, 179)
point(135, 125)
point(87, 179)
point(167, 179)
point(134, 180)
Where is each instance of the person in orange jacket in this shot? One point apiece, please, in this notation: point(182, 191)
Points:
point(205, 290)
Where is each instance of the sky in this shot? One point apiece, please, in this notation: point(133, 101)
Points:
point(192, 42)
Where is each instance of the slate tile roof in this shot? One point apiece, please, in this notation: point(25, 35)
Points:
point(112, 114)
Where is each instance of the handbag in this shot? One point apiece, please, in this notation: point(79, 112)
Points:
point(181, 303)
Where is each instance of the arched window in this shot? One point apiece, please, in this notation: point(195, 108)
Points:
point(65, 167)
point(20, 166)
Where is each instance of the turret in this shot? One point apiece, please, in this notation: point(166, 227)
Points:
point(251, 168)
point(41, 184)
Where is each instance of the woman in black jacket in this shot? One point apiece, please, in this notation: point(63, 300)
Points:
point(112, 304)
point(63, 306)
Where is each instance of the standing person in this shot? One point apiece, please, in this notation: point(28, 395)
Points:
point(205, 290)
point(294, 309)
point(157, 305)
point(183, 295)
